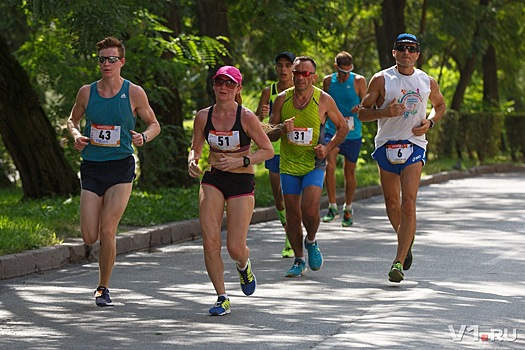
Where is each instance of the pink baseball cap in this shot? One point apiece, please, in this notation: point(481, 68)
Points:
point(231, 72)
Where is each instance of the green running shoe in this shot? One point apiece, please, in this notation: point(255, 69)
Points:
point(331, 215)
point(396, 272)
point(348, 217)
point(287, 250)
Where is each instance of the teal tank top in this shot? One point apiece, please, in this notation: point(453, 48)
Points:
point(108, 125)
point(345, 98)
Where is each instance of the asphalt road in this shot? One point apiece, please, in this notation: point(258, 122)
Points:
point(466, 287)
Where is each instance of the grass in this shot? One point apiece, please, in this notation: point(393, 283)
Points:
point(31, 224)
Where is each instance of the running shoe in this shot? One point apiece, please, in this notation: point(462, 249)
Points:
point(396, 272)
point(102, 297)
point(248, 280)
point(408, 260)
point(315, 258)
point(297, 269)
point(287, 250)
point(331, 215)
point(348, 217)
point(221, 307)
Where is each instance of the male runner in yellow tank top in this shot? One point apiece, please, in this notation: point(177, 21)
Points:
point(301, 112)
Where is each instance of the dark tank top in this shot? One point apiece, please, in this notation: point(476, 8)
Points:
point(234, 140)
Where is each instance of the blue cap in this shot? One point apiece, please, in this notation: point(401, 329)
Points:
point(287, 55)
point(407, 38)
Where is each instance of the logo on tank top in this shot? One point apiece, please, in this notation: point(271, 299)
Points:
point(410, 99)
point(123, 96)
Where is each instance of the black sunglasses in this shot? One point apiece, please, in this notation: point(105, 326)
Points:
point(230, 84)
point(111, 59)
point(402, 48)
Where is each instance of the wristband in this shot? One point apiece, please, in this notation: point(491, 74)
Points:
point(144, 138)
point(431, 123)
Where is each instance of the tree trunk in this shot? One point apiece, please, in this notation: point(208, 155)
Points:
point(393, 15)
point(170, 148)
point(29, 136)
point(213, 21)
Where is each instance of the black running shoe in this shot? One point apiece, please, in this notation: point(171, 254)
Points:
point(102, 297)
point(408, 260)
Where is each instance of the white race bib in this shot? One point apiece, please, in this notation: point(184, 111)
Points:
point(301, 136)
point(350, 122)
point(105, 135)
point(224, 140)
point(399, 153)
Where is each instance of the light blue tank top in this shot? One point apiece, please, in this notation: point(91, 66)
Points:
point(345, 98)
point(113, 112)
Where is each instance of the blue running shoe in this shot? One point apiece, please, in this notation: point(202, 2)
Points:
point(315, 258)
point(297, 269)
point(221, 307)
point(102, 297)
point(248, 280)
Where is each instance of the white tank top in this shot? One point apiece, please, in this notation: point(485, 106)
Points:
point(413, 91)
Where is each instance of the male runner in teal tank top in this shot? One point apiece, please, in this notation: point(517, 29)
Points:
point(111, 106)
point(347, 89)
point(301, 113)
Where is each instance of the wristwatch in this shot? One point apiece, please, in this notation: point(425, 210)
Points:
point(431, 123)
point(245, 161)
point(144, 138)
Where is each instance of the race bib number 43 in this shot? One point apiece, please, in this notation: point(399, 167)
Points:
point(398, 154)
point(301, 136)
point(105, 135)
point(224, 140)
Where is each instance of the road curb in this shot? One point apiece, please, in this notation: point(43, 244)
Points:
point(74, 251)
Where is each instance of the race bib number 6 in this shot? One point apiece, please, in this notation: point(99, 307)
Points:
point(301, 136)
point(399, 153)
point(105, 135)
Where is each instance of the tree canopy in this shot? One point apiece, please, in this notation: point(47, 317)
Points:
point(471, 47)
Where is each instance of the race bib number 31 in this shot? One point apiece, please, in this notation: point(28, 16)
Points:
point(398, 154)
point(105, 135)
point(301, 136)
point(224, 140)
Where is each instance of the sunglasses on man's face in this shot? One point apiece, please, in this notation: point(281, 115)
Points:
point(342, 71)
point(303, 73)
point(111, 59)
point(230, 84)
point(402, 48)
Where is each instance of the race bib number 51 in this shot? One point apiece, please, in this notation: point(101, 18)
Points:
point(224, 140)
point(105, 135)
point(301, 136)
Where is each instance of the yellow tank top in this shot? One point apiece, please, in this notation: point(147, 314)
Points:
point(297, 147)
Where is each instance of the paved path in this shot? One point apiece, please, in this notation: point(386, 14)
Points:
point(467, 281)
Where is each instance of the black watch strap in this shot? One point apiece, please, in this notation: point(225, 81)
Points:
point(245, 161)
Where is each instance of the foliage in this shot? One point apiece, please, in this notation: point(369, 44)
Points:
point(36, 223)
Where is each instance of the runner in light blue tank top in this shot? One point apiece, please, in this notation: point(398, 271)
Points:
point(347, 89)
